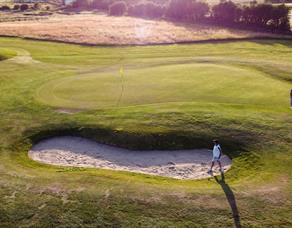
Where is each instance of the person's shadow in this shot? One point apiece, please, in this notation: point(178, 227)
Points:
point(230, 198)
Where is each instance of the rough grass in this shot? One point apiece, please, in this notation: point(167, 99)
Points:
point(101, 29)
point(6, 53)
point(255, 131)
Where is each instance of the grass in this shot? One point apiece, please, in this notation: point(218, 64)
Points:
point(179, 82)
point(175, 96)
point(6, 53)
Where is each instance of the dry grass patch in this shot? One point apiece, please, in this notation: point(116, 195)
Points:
point(89, 28)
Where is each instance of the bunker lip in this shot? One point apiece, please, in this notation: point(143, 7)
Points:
point(81, 152)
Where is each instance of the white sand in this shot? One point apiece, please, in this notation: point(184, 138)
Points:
point(80, 152)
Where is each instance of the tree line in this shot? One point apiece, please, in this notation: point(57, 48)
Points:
point(278, 1)
point(264, 17)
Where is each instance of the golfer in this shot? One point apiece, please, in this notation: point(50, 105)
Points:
point(291, 99)
point(217, 152)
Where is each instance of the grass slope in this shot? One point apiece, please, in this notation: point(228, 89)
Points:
point(177, 96)
point(6, 53)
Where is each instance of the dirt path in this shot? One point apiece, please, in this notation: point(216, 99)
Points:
point(80, 152)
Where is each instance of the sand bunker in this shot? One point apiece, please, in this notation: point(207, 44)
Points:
point(80, 152)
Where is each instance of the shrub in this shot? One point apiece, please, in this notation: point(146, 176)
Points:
point(16, 7)
point(23, 7)
point(118, 8)
point(5, 8)
point(36, 6)
point(147, 10)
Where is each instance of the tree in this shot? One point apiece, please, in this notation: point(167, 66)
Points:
point(118, 8)
point(227, 12)
point(261, 14)
point(102, 4)
point(189, 10)
point(23, 7)
point(16, 7)
point(147, 10)
point(81, 3)
point(200, 10)
point(280, 18)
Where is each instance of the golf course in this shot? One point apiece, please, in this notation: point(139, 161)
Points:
point(147, 98)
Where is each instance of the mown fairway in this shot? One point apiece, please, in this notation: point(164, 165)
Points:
point(154, 97)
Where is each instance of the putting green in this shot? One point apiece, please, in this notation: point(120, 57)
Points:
point(193, 82)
